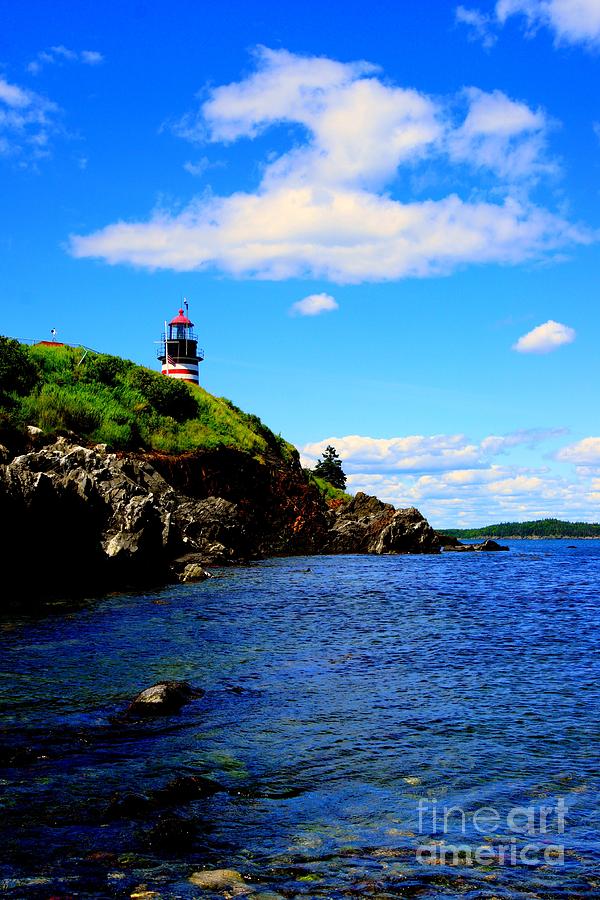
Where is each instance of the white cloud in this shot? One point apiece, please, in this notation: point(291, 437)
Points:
point(545, 338)
point(60, 54)
point(528, 437)
point(480, 25)
point(14, 96)
point(314, 305)
point(197, 168)
point(502, 135)
point(456, 481)
point(424, 453)
point(322, 208)
point(342, 236)
point(517, 484)
point(361, 128)
point(584, 453)
point(572, 21)
point(91, 57)
point(27, 121)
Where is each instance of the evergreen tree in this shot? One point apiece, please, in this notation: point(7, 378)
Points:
point(330, 468)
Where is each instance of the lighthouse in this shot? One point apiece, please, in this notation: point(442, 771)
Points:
point(178, 350)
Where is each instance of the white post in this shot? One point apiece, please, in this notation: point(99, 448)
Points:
point(166, 351)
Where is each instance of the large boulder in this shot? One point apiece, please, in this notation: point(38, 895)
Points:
point(89, 519)
point(367, 525)
point(213, 528)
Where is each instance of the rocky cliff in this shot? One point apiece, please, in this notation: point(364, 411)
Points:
point(80, 519)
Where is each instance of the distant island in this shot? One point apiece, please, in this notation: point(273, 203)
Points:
point(541, 528)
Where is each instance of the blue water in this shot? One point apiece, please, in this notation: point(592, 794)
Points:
point(341, 692)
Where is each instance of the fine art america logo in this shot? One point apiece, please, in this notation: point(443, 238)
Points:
point(526, 835)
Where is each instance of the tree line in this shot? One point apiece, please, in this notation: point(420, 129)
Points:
point(542, 528)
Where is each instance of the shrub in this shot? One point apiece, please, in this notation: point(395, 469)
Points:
point(167, 396)
point(108, 370)
point(18, 372)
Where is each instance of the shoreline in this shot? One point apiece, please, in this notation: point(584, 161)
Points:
point(530, 537)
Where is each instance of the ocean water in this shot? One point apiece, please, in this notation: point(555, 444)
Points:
point(347, 699)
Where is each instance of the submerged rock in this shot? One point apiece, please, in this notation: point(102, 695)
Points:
point(142, 892)
point(128, 806)
point(222, 880)
point(177, 792)
point(185, 788)
point(163, 698)
point(172, 834)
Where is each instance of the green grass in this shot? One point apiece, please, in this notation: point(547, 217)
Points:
point(328, 491)
point(106, 399)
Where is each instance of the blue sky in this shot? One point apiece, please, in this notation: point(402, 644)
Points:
point(385, 218)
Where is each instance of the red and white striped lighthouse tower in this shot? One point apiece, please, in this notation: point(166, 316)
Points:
point(178, 351)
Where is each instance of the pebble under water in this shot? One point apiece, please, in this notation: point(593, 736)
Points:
point(343, 695)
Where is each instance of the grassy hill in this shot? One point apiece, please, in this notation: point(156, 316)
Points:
point(542, 528)
point(106, 399)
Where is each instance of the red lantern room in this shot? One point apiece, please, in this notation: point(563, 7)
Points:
point(178, 351)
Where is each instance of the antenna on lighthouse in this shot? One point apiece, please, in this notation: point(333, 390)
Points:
point(187, 305)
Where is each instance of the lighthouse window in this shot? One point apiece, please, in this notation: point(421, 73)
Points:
point(180, 332)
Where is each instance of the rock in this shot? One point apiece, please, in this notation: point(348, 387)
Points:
point(486, 546)
point(104, 521)
point(184, 789)
point(222, 880)
point(213, 527)
point(90, 516)
point(163, 699)
point(128, 806)
point(141, 892)
point(172, 834)
point(447, 541)
point(189, 568)
point(489, 545)
point(367, 525)
point(193, 572)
